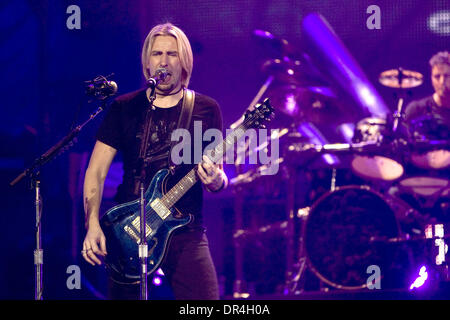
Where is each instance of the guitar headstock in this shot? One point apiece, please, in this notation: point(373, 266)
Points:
point(262, 112)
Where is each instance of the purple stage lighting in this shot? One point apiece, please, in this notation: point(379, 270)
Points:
point(329, 54)
point(157, 281)
point(421, 279)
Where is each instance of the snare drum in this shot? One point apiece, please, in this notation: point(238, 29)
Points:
point(348, 230)
point(379, 166)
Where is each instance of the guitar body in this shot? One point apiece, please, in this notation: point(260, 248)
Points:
point(121, 226)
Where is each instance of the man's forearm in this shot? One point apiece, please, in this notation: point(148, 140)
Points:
point(92, 195)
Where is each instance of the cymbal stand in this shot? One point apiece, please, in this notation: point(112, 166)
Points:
point(297, 269)
point(290, 236)
point(239, 281)
point(398, 113)
point(298, 265)
point(239, 286)
point(333, 179)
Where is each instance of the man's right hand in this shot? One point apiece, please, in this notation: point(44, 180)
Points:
point(94, 245)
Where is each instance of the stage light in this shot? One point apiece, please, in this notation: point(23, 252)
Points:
point(157, 281)
point(291, 104)
point(442, 247)
point(421, 279)
point(439, 22)
point(347, 130)
point(367, 95)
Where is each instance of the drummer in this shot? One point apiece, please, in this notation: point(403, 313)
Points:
point(427, 174)
point(429, 118)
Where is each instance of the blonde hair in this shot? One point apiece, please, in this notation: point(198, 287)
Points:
point(184, 50)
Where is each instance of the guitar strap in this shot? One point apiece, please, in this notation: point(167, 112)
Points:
point(183, 122)
point(185, 119)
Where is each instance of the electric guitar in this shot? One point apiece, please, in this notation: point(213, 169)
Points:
point(121, 224)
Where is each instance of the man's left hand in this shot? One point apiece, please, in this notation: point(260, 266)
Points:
point(210, 174)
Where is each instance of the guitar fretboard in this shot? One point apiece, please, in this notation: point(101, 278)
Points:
point(177, 191)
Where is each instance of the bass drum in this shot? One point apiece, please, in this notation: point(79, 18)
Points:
point(347, 231)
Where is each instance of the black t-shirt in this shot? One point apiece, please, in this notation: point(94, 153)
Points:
point(425, 119)
point(122, 130)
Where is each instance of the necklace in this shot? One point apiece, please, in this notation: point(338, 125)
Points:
point(170, 94)
point(165, 95)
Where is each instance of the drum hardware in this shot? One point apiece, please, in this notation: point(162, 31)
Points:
point(239, 282)
point(407, 238)
point(400, 79)
point(294, 279)
point(368, 148)
point(244, 234)
point(252, 174)
point(293, 71)
point(282, 45)
point(302, 94)
point(382, 163)
point(425, 186)
point(345, 231)
point(425, 145)
point(302, 133)
point(293, 285)
point(333, 180)
point(376, 243)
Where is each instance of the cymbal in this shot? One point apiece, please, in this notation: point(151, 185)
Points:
point(322, 91)
point(281, 44)
point(399, 78)
point(316, 104)
point(291, 71)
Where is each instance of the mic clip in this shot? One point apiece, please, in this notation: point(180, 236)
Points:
point(100, 88)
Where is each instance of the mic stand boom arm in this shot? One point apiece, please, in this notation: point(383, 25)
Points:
point(33, 173)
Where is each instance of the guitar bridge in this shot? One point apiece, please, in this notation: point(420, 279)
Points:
point(131, 233)
point(136, 223)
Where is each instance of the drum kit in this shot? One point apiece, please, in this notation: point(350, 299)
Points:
point(382, 220)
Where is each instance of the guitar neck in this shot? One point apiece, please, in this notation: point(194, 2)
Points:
point(215, 155)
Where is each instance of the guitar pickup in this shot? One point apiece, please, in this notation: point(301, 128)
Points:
point(162, 211)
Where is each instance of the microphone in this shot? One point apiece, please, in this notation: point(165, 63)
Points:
point(159, 76)
point(101, 88)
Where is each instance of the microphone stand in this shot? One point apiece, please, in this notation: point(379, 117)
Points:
point(139, 187)
point(33, 174)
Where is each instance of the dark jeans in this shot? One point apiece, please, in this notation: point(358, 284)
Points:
point(188, 267)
